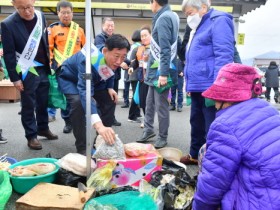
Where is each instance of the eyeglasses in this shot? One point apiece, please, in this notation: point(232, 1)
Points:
point(66, 13)
point(28, 8)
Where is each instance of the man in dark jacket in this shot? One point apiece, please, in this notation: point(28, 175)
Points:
point(108, 27)
point(25, 43)
point(73, 85)
point(272, 81)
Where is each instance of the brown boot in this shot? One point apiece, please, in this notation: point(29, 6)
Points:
point(34, 144)
point(188, 160)
point(48, 134)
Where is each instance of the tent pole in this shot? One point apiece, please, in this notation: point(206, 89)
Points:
point(88, 86)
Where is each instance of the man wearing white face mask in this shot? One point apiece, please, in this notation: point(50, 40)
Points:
point(210, 46)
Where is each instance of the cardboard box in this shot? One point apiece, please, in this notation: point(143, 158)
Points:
point(133, 169)
point(46, 196)
point(8, 91)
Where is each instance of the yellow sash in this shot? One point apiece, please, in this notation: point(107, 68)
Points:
point(70, 44)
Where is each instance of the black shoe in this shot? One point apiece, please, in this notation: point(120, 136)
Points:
point(3, 140)
point(19, 113)
point(48, 134)
point(172, 108)
point(116, 123)
point(125, 106)
point(145, 137)
point(276, 100)
point(67, 128)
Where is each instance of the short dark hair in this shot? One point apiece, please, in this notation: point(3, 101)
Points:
point(136, 37)
point(106, 19)
point(63, 3)
point(117, 41)
point(272, 63)
point(161, 2)
point(146, 27)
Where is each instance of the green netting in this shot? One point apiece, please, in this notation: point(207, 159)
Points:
point(5, 188)
point(127, 200)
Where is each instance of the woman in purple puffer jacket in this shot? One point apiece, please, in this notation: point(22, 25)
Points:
point(241, 167)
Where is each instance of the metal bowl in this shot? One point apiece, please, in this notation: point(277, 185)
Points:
point(171, 153)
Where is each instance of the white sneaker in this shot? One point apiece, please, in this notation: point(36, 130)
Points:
point(134, 121)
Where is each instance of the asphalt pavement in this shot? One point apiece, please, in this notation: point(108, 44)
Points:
point(10, 122)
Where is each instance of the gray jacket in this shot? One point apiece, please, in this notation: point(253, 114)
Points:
point(164, 33)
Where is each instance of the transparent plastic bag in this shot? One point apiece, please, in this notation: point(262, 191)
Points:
point(101, 177)
point(106, 152)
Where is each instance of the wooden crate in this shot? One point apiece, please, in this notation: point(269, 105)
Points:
point(8, 92)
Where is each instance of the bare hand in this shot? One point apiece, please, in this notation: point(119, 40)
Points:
point(113, 95)
point(107, 133)
point(162, 81)
point(181, 74)
point(1, 52)
point(18, 85)
point(130, 71)
point(146, 57)
point(124, 66)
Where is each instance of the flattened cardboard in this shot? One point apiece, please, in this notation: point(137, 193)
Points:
point(46, 196)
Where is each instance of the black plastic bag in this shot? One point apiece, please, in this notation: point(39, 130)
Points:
point(68, 178)
point(115, 190)
point(170, 190)
point(169, 165)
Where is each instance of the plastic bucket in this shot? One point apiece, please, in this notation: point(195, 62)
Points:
point(23, 184)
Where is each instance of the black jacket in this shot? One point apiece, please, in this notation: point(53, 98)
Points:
point(14, 39)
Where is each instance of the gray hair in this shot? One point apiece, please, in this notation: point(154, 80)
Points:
point(195, 3)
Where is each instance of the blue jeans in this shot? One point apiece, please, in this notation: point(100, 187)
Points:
point(65, 114)
point(179, 89)
point(200, 119)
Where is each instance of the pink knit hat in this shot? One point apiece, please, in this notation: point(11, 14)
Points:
point(234, 83)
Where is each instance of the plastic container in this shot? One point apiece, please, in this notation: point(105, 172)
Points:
point(11, 160)
point(171, 153)
point(23, 184)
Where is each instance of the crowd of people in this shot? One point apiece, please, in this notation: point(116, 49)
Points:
point(241, 162)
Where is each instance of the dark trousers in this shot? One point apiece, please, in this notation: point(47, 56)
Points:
point(134, 110)
point(200, 120)
point(126, 92)
point(78, 120)
point(34, 99)
point(276, 92)
point(116, 88)
point(106, 109)
point(143, 92)
point(177, 90)
point(116, 85)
